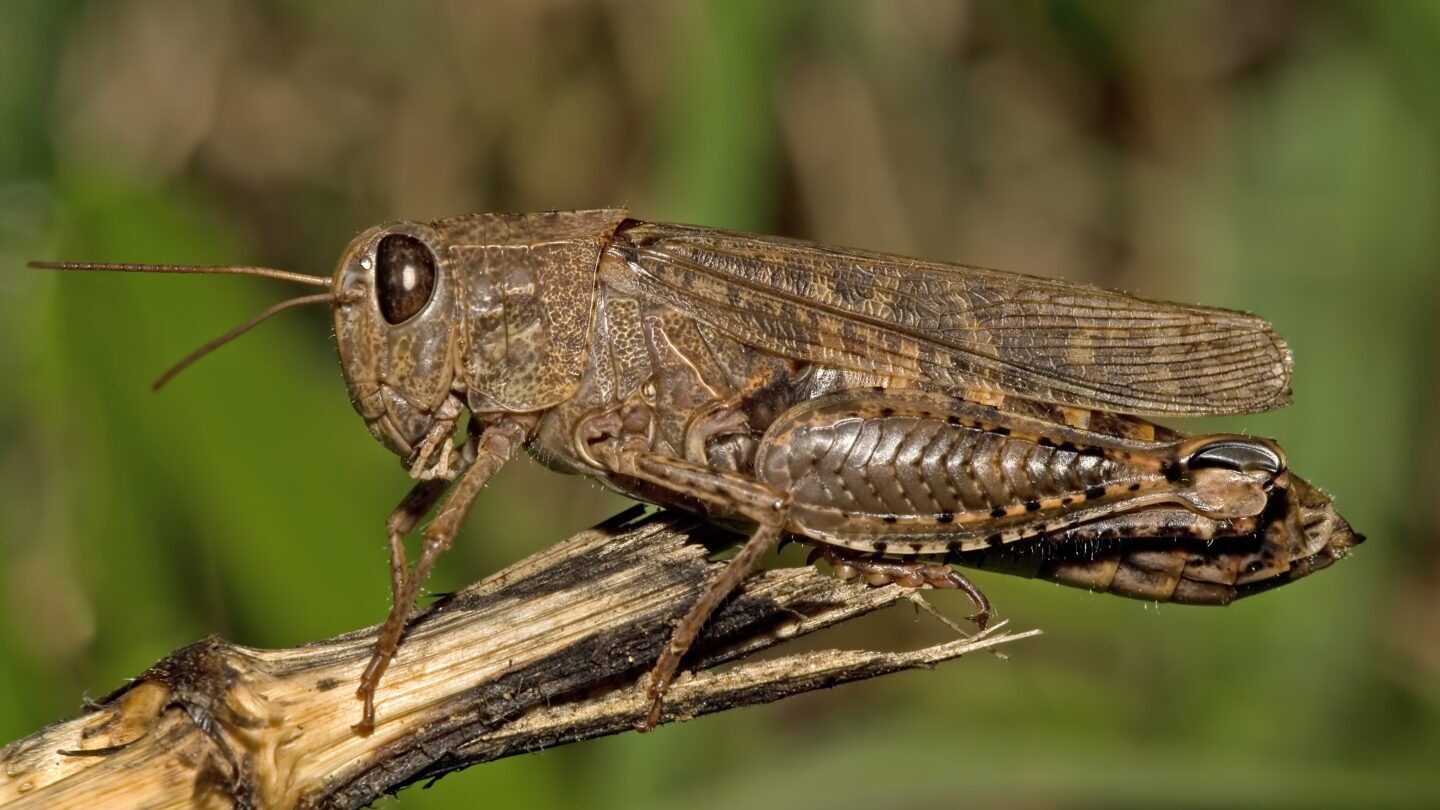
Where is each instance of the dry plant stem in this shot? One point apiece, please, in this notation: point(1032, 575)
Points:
point(546, 652)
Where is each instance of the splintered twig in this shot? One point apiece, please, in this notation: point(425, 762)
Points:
point(546, 652)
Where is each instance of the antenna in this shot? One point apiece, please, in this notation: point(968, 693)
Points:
point(194, 269)
point(208, 270)
point(186, 361)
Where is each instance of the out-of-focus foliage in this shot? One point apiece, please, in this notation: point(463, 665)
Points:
point(1279, 157)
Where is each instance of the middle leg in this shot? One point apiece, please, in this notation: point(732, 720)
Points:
point(765, 506)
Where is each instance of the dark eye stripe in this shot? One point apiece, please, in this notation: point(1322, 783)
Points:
point(404, 277)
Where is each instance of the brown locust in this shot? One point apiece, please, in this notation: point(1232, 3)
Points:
point(902, 415)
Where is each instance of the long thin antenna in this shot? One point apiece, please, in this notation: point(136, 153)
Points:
point(195, 269)
point(187, 360)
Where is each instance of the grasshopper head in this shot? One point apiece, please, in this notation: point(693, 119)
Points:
point(394, 306)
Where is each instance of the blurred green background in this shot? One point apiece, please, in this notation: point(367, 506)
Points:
point(1280, 157)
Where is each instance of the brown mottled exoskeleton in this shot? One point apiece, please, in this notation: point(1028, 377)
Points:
point(902, 415)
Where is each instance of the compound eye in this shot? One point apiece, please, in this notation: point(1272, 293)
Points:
point(404, 277)
point(1239, 455)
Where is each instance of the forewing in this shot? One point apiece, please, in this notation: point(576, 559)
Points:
point(962, 327)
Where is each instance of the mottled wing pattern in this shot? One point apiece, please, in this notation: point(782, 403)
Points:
point(962, 327)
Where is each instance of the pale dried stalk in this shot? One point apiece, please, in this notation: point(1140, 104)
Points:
point(546, 652)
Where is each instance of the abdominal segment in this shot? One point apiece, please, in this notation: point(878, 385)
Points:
point(921, 473)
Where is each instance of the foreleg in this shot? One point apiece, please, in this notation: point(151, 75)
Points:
point(492, 448)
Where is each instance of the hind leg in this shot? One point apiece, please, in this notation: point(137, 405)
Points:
point(879, 571)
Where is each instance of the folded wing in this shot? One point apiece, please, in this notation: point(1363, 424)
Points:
point(961, 327)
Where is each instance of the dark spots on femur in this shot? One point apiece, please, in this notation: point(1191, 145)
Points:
point(917, 547)
point(952, 419)
point(1094, 493)
point(879, 546)
point(945, 517)
point(1094, 452)
point(1253, 566)
point(1134, 486)
point(995, 540)
point(404, 277)
point(997, 512)
point(954, 546)
point(878, 389)
point(1172, 472)
point(891, 518)
point(1032, 506)
point(1000, 430)
point(887, 411)
point(1045, 441)
point(1067, 500)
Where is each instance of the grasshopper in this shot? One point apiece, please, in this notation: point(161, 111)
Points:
point(901, 415)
